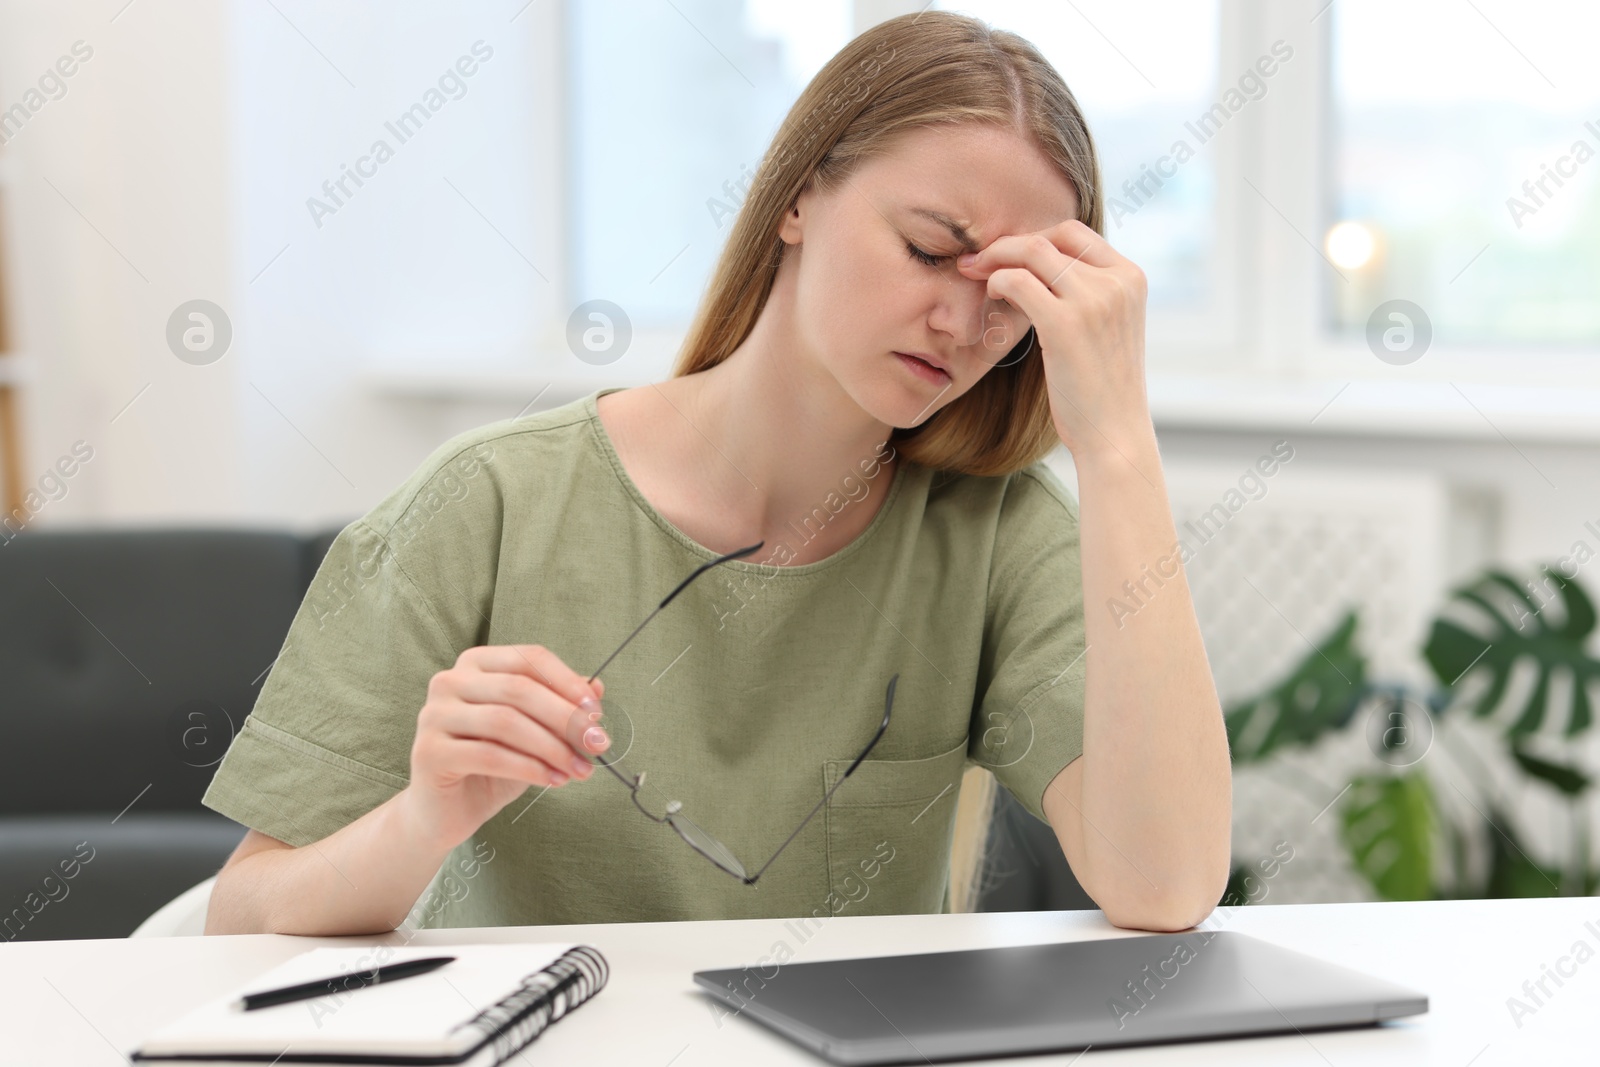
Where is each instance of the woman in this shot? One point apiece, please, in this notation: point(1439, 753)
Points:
point(915, 306)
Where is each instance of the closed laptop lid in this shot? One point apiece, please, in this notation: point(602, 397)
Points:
point(1055, 997)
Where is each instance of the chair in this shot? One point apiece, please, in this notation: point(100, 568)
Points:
point(130, 658)
point(1004, 859)
point(183, 916)
point(1024, 868)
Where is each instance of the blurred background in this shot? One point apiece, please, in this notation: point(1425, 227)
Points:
point(230, 323)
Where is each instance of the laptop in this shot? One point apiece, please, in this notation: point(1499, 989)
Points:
point(1007, 1001)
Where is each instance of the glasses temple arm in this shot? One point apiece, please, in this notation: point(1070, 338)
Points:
point(698, 571)
point(624, 645)
point(888, 704)
point(612, 767)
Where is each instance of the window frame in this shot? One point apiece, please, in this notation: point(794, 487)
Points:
point(1292, 280)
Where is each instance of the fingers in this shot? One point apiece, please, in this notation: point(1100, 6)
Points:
point(509, 727)
point(1035, 252)
point(473, 756)
point(1080, 241)
point(1023, 289)
point(540, 707)
point(1068, 260)
point(534, 661)
point(1051, 253)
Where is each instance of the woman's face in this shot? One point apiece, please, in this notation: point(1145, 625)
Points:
point(877, 273)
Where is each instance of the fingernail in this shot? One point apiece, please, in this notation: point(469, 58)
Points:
point(589, 706)
point(595, 737)
point(557, 778)
point(594, 716)
point(967, 259)
point(581, 767)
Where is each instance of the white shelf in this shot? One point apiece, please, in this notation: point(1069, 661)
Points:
point(455, 382)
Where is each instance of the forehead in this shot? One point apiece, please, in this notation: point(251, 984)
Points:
point(984, 179)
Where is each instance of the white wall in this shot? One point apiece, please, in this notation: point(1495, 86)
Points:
point(94, 280)
point(191, 141)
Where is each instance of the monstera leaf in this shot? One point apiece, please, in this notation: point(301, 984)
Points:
point(1520, 630)
point(1568, 780)
point(1319, 696)
point(1388, 826)
point(1512, 872)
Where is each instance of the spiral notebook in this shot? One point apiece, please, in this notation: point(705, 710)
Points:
point(479, 1010)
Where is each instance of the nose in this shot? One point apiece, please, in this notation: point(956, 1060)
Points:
point(960, 310)
point(967, 313)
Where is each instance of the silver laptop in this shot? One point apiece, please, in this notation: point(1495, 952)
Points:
point(1054, 998)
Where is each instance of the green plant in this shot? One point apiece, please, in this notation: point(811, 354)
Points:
point(1391, 823)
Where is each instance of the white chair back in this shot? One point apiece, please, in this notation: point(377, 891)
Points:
point(182, 916)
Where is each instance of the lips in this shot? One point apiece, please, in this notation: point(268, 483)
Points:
point(923, 368)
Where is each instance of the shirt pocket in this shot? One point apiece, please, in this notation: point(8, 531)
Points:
point(889, 832)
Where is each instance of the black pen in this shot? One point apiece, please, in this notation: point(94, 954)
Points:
point(323, 987)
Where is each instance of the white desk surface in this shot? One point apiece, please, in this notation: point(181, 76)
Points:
point(88, 1002)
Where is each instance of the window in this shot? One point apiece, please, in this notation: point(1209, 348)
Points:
point(670, 109)
point(1466, 171)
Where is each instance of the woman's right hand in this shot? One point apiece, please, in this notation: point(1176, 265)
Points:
point(503, 718)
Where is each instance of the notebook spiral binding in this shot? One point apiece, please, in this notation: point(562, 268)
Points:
point(544, 997)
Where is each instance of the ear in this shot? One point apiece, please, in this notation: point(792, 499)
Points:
point(792, 229)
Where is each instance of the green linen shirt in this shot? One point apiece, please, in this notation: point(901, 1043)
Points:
point(745, 699)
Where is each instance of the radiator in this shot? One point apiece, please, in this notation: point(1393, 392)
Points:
point(1305, 545)
point(1277, 575)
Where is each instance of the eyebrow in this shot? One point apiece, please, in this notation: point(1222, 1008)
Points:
point(958, 231)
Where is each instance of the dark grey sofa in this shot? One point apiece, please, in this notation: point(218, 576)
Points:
point(128, 661)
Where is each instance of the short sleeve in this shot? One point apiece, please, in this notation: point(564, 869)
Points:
point(1028, 720)
point(399, 595)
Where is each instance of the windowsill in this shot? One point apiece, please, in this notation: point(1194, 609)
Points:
point(488, 382)
point(1417, 409)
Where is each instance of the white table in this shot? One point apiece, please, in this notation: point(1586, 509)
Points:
point(86, 1002)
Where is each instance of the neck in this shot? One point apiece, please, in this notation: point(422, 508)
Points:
point(788, 433)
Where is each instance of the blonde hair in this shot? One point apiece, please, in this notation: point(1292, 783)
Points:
point(911, 72)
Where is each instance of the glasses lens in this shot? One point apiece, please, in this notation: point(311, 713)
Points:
point(706, 845)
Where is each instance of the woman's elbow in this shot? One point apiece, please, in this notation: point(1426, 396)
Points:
point(1166, 909)
point(1161, 913)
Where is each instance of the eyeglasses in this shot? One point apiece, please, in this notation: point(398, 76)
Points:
point(697, 838)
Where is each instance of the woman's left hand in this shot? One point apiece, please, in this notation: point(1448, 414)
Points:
point(1087, 303)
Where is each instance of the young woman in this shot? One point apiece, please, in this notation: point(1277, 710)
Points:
point(914, 307)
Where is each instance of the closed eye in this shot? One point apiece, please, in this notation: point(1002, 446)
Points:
point(926, 257)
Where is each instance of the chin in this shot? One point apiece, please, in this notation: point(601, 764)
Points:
point(899, 403)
